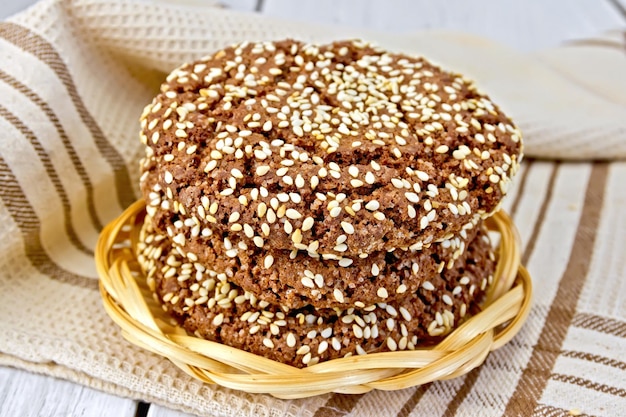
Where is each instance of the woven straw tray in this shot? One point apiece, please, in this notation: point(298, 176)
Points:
point(129, 302)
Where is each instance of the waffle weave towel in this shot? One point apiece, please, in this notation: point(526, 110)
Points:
point(74, 77)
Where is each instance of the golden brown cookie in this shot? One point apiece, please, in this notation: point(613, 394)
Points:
point(209, 305)
point(295, 279)
point(340, 150)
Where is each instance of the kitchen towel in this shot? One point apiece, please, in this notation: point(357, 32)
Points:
point(74, 77)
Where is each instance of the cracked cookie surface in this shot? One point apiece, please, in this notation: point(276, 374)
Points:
point(338, 150)
point(207, 304)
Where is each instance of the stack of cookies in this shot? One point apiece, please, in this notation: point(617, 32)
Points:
point(310, 202)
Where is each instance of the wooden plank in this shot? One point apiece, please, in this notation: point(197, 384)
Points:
point(527, 25)
point(8, 8)
point(620, 5)
point(25, 394)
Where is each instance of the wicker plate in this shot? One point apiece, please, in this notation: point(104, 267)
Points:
point(131, 305)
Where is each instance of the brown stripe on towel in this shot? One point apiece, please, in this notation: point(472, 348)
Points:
point(585, 383)
point(472, 376)
point(600, 324)
point(543, 410)
point(69, 147)
point(521, 188)
point(545, 353)
point(26, 219)
point(532, 241)
point(52, 174)
point(36, 45)
point(413, 400)
point(591, 357)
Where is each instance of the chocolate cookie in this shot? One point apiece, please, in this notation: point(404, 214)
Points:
point(209, 305)
point(305, 146)
point(297, 278)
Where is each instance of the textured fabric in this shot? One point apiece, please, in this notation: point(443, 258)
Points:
point(74, 77)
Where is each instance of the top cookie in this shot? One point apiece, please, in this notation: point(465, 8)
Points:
point(341, 149)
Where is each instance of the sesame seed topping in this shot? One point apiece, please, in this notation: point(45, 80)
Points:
point(405, 313)
point(307, 224)
point(262, 170)
point(299, 181)
point(218, 319)
point(296, 237)
point(303, 350)
point(347, 227)
point(307, 282)
point(258, 241)
point(412, 197)
point(372, 205)
point(379, 216)
point(357, 330)
point(293, 214)
point(396, 182)
point(345, 262)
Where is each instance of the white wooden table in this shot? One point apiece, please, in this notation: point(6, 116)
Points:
point(527, 25)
